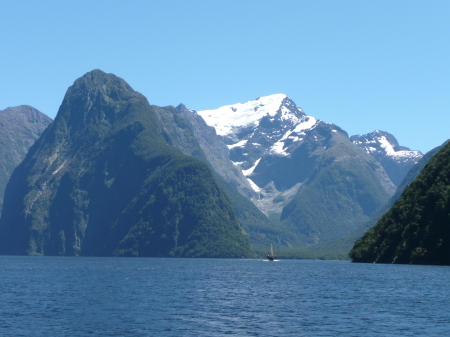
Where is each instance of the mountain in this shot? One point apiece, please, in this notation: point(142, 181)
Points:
point(19, 128)
point(339, 249)
point(344, 189)
point(415, 229)
point(408, 179)
point(102, 181)
point(255, 130)
point(187, 131)
point(309, 177)
point(396, 160)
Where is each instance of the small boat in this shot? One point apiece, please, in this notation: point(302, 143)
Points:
point(271, 256)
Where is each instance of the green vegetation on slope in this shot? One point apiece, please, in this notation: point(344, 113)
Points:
point(20, 127)
point(262, 232)
point(416, 229)
point(338, 249)
point(341, 193)
point(183, 228)
point(102, 181)
point(179, 132)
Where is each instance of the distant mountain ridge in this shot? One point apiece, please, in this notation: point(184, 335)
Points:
point(20, 127)
point(216, 152)
point(397, 160)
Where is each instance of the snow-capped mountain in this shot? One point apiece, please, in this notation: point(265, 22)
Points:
point(383, 146)
point(309, 177)
point(271, 125)
point(227, 119)
point(281, 150)
point(268, 126)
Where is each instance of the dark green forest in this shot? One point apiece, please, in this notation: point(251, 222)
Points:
point(417, 228)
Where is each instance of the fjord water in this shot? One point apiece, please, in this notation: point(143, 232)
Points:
point(61, 296)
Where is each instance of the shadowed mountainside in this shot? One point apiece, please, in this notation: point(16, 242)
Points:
point(102, 181)
point(20, 127)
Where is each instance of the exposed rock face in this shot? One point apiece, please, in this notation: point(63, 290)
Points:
point(216, 152)
point(102, 181)
point(397, 160)
point(20, 127)
point(258, 134)
point(293, 161)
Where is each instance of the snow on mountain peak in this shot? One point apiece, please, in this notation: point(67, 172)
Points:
point(296, 134)
point(385, 144)
point(242, 114)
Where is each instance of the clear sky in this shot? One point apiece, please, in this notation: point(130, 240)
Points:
point(363, 65)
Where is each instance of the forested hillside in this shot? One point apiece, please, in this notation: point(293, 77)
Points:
point(416, 229)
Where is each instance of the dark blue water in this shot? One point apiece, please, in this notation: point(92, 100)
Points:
point(48, 296)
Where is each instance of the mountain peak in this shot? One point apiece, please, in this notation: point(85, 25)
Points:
point(103, 82)
point(225, 118)
point(96, 96)
point(384, 147)
point(382, 141)
point(24, 114)
point(100, 177)
point(20, 127)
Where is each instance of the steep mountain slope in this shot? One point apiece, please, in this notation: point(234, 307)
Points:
point(415, 229)
point(306, 171)
point(338, 249)
point(256, 129)
point(342, 192)
point(396, 160)
point(187, 131)
point(409, 178)
point(102, 181)
point(19, 128)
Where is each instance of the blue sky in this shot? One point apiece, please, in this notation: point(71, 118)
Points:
point(362, 65)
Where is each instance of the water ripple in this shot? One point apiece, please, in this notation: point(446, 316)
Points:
point(49, 296)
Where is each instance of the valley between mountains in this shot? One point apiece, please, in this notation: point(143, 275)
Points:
point(113, 175)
